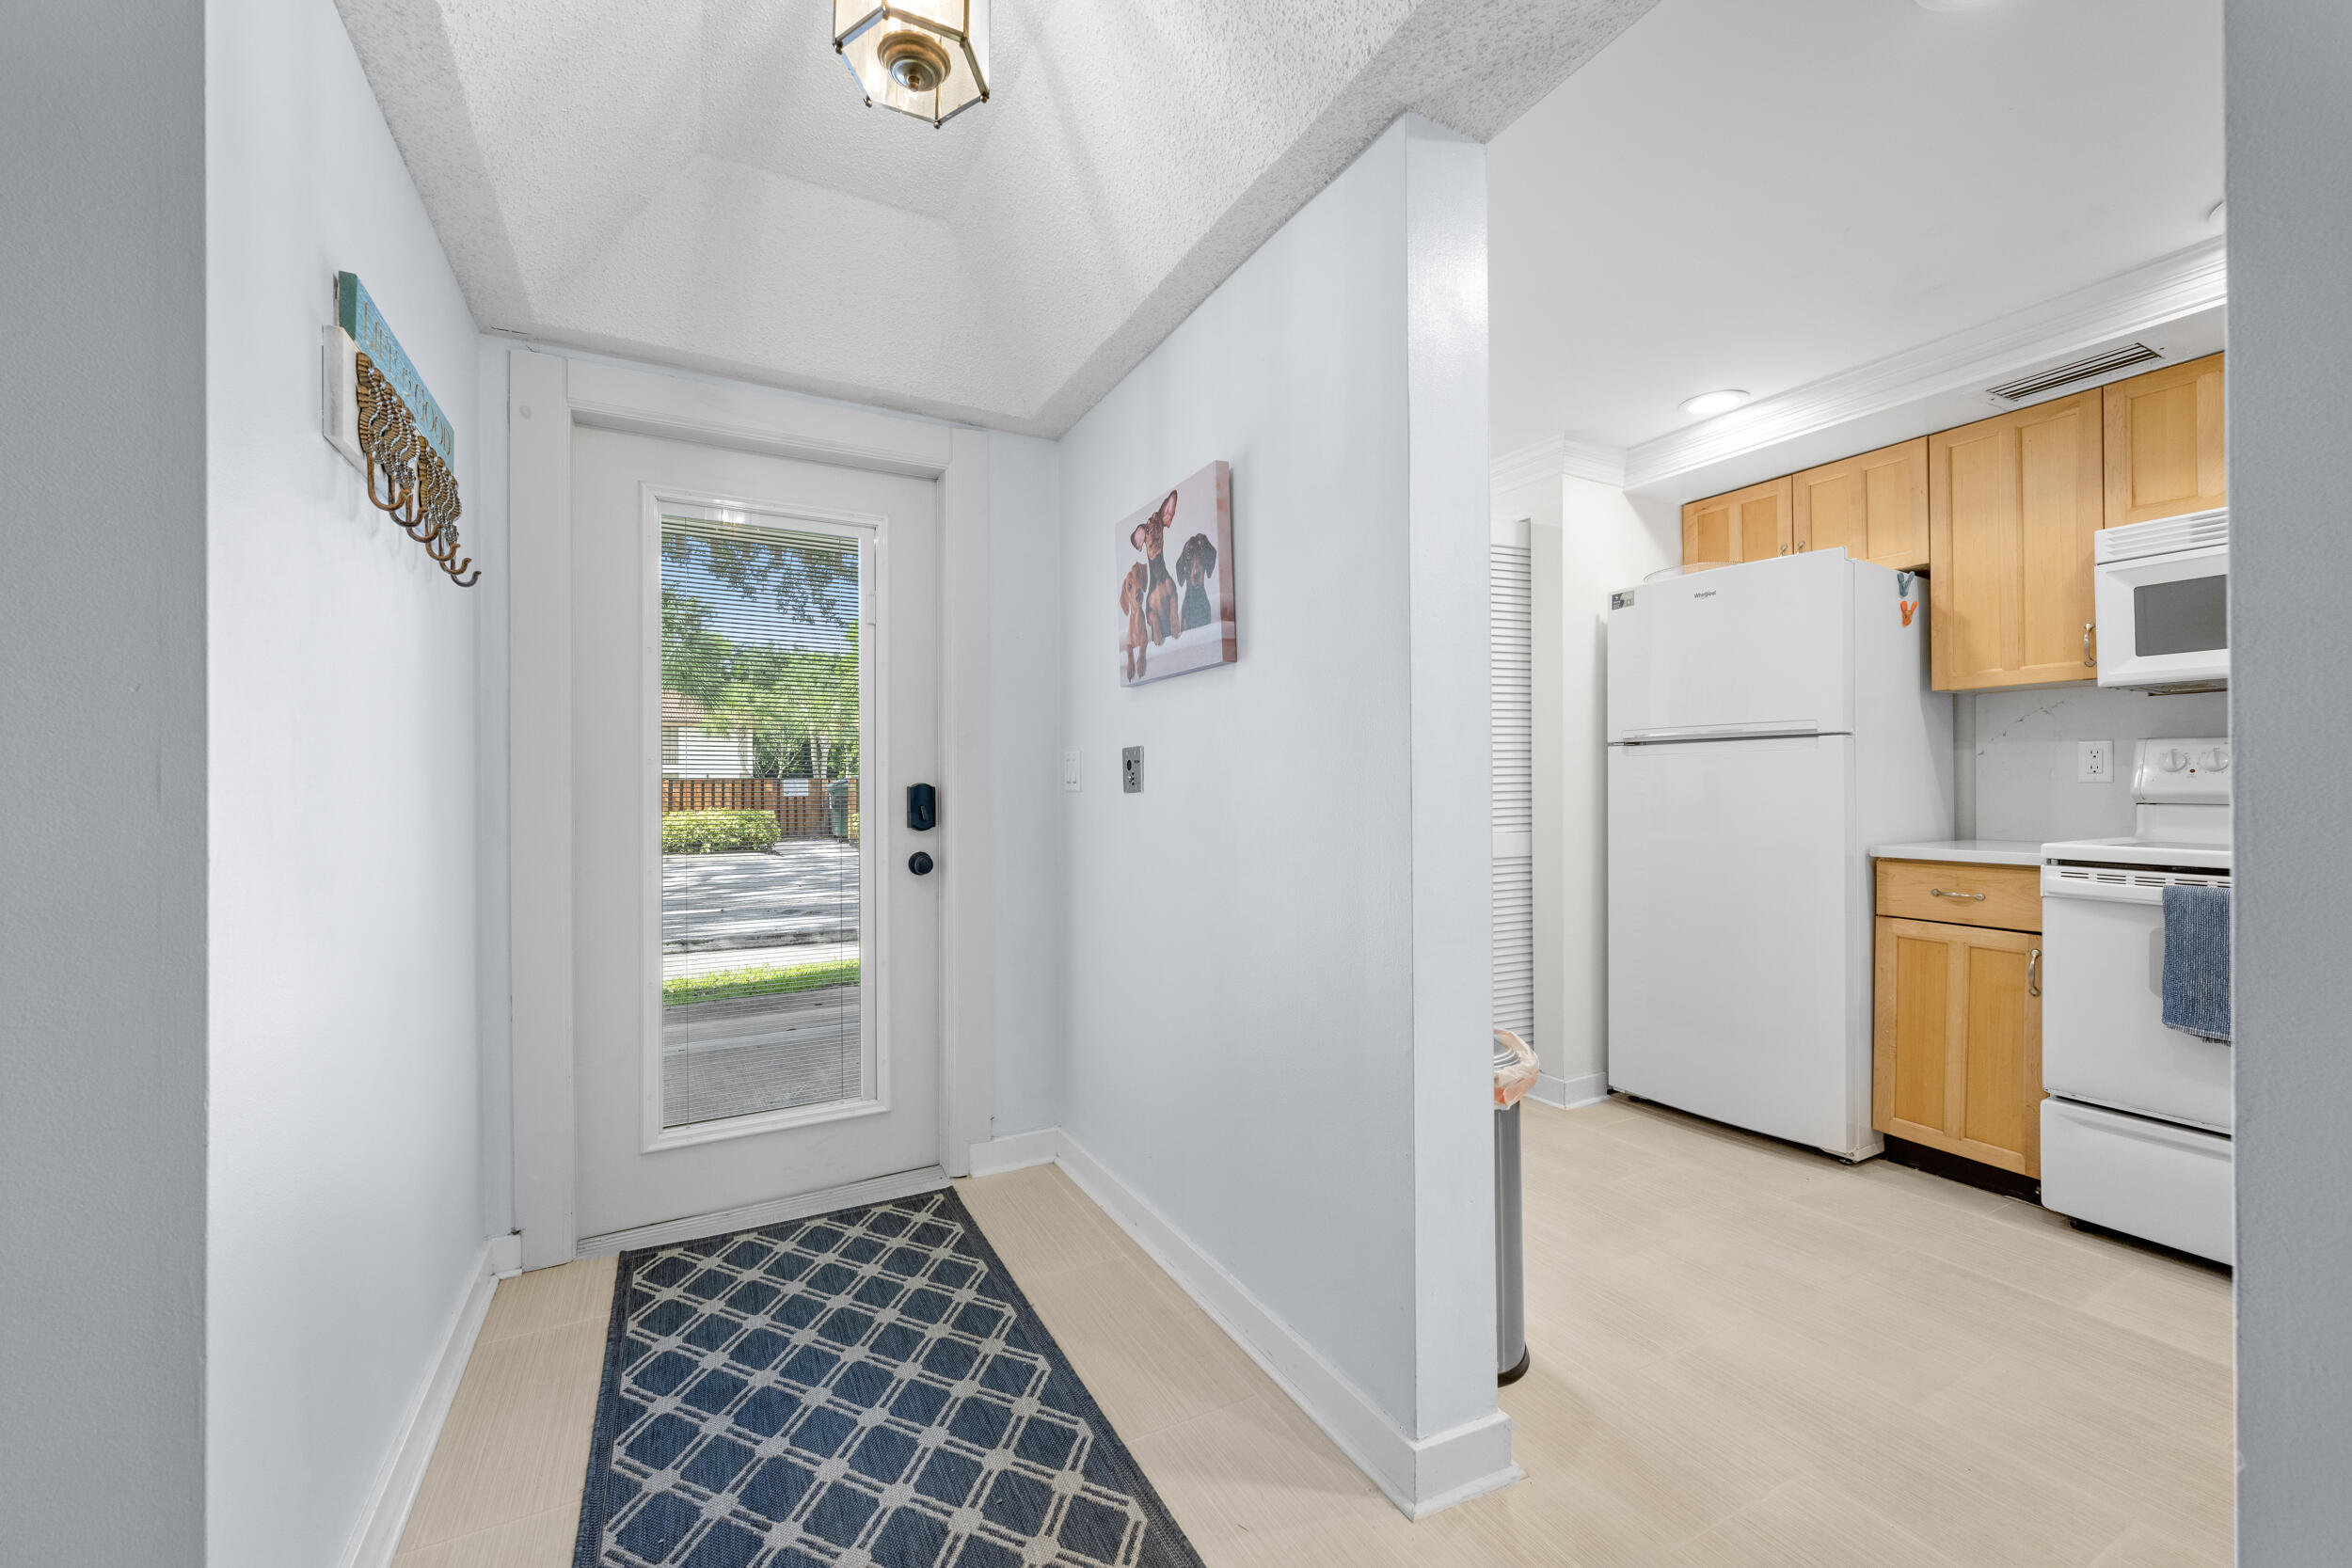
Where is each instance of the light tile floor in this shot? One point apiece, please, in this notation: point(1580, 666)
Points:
point(1745, 1356)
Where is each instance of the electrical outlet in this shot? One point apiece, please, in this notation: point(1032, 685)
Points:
point(2094, 762)
point(1131, 769)
point(1070, 771)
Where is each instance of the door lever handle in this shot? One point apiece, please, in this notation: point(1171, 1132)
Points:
point(1939, 893)
point(2033, 973)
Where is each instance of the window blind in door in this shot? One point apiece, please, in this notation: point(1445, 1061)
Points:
point(763, 719)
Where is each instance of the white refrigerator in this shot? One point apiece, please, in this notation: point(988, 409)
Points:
point(1768, 723)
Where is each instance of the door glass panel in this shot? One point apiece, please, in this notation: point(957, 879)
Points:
point(762, 714)
point(2188, 616)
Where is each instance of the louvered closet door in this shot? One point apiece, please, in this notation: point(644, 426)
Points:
point(1512, 700)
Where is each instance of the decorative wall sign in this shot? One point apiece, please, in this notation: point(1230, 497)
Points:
point(1176, 581)
point(382, 418)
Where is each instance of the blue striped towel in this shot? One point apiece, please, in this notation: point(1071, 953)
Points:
point(2197, 961)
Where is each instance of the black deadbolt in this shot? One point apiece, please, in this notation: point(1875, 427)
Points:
point(920, 864)
point(922, 808)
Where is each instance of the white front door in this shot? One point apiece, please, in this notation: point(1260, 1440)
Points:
point(756, 964)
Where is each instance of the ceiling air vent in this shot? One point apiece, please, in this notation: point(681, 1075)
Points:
point(2079, 370)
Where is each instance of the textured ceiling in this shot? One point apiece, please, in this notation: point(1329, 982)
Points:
point(701, 184)
point(1760, 196)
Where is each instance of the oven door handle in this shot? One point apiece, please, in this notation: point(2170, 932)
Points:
point(2033, 973)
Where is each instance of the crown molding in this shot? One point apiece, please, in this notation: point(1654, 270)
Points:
point(1591, 460)
point(2136, 302)
point(1560, 457)
point(1527, 466)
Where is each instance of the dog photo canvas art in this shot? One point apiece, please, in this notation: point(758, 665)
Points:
point(1176, 581)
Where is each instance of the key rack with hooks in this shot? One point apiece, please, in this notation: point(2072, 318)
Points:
point(382, 418)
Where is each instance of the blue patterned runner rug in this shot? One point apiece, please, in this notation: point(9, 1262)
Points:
point(862, 1389)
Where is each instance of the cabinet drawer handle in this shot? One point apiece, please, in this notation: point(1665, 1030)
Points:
point(1939, 893)
point(2090, 660)
point(2033, 973)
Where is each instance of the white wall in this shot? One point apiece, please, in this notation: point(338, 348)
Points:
point(2026, 753)
point(1024, 584)
point(101, 767)
point(2290, 120)
point(1251, 1041)
point(345, 1180)
point(1589, 540)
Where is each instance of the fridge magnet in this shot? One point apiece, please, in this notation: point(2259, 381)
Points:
point(1176, 581)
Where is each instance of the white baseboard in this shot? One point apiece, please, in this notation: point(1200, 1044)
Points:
point(874, 1189)
point(1418, 1474)
point(376, 1536)
point(1016, 1151)
point(1568, 1093)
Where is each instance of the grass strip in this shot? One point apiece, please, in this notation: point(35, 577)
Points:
point(764, 980)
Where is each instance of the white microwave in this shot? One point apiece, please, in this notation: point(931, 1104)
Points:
point(2161, 592)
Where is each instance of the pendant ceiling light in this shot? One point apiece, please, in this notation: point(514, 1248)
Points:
point(928, 58)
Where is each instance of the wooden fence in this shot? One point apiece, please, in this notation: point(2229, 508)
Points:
point(805, 815)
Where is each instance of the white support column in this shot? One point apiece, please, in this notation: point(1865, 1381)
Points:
point(1445, 287)
point(539, 611)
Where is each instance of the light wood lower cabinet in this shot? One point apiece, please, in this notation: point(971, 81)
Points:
point(2008, 896)
point(1958, 1040)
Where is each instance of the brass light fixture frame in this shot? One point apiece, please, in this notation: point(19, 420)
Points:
point(951, 31)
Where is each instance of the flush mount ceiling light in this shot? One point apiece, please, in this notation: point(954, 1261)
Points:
point(1714, 403)
point(928, 58)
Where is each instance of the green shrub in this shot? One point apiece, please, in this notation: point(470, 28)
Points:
point(763, 980)
point(710, 832)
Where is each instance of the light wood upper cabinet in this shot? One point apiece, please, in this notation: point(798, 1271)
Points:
point(2164, 451)
point(1875, 505)
point(1752, 524)
point(2013, 503)
point(1957, 1044)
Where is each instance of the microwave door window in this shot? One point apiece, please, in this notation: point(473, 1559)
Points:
point(2188, 616)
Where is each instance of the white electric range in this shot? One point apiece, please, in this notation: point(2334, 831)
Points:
point(2135, 1133)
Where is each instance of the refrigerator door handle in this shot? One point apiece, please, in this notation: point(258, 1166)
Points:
point(1719, 732)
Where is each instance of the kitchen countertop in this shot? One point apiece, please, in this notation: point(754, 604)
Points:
point(1968, 851)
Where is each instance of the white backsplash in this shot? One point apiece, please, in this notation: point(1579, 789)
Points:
point(2025, 786)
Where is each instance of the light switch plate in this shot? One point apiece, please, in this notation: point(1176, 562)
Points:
point(2094, 762)
point(1131, 769)
point(1070, 771)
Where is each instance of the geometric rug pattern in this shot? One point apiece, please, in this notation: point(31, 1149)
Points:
point(862, 1389)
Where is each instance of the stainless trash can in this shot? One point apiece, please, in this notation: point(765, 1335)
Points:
point(1510, 1258)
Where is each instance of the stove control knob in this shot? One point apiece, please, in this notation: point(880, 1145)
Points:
point(2217, 760)
point(2173, 761)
